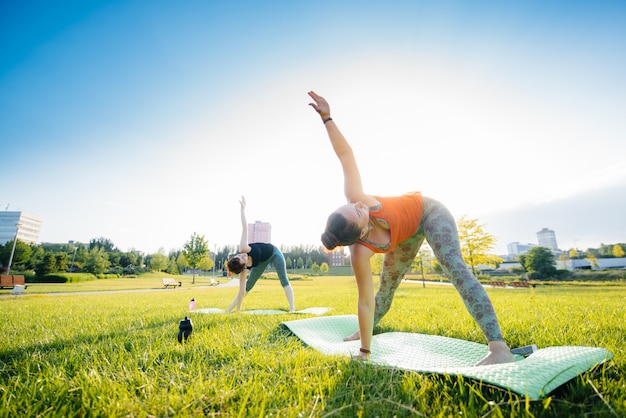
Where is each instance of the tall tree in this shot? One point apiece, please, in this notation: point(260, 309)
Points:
point(618, 251)
point(130, 259)
point(36, 257)
point(102, 242)
point(159, 261)
point(47, 265)
point(181, 262)
point(21, 255)
point(97, 261)
point(61, 262)
point(172, 267)
point(195, 250)
point(476, 243)
point(206, 263)
point(539, 262)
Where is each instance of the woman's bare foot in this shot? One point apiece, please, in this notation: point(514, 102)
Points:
point(360, 356)
point(353, 337)
point(499, 353)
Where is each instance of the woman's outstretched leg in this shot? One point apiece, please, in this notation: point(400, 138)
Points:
point(289, 294)
point(441, 233)
point(278, 260)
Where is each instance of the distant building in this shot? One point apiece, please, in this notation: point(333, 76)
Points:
point(336, 257)
point(584, 264)
point(28, 230)
point(547, 239)
point(260, 232)
point(515, 248)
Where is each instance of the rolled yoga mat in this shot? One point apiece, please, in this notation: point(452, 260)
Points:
point(534, 376)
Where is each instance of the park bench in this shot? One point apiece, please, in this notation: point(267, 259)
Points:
point(519, 284)
point(9, 281)
point(6, 281)
point(169, 282)
point(495, 283)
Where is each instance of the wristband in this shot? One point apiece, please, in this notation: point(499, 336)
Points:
point(327, 120)
point(365, 351)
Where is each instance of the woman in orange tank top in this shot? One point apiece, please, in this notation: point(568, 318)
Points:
point(397, 226)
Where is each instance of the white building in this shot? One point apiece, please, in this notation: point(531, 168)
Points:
point(515, 248)
point(547, 238)
point(583, 264)
point(27, 227)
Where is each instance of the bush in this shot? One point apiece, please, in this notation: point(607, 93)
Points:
point(108, 276)
point(599, 275)
point(274, 276)
point(29, 275)
point(296, 277)
point(562, 274)
point(66, 278)
point(556, 276)
point(483, 278)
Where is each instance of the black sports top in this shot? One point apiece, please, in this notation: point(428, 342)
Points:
point(260, 252)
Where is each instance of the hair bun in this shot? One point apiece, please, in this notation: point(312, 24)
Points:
point(329, 240)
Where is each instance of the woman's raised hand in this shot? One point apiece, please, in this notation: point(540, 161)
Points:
point(320, 105)
point(242, 202)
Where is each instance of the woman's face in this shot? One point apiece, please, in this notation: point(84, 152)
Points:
point(357, 213)
point(242, 257)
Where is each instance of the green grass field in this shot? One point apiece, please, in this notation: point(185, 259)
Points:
point(116, 354)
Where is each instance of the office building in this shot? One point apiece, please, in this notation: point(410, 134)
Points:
point(515, 248)
point(27, 227)
point(260, 232)
point(546, 238)
point(336, 257)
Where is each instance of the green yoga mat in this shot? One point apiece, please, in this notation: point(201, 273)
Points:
point(311, 311)
point(534, 376)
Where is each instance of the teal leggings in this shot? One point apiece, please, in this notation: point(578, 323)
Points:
point(278, 261)
point(439, 229)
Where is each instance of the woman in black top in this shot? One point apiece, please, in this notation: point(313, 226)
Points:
point(255, 257)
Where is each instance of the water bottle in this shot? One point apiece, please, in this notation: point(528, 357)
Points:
point(184, 329)
point(192, 304)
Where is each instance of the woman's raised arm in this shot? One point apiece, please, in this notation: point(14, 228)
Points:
point(353, 187)
point(244, 247)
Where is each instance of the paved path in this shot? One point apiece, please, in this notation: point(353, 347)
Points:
point(229, 283)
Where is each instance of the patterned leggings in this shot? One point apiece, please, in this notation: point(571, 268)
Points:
point(439, 229)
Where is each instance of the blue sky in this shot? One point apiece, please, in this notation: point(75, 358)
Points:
point(144, 121)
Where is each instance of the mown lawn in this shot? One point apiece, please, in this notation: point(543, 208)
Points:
point(116, 354)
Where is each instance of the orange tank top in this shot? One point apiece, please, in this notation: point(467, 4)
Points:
point(403, 214)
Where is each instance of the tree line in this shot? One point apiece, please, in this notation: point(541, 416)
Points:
point(101, 257)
